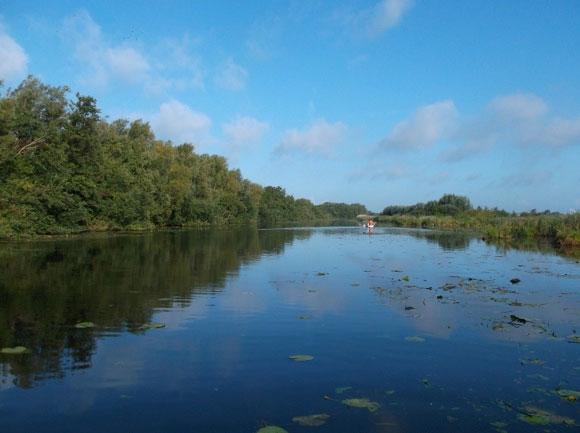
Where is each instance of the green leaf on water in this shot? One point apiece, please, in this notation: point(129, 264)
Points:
point(84, 325)
point(152, 325)
point(363, 403)
point(532, 361)
point(415, 339)
point(18, 350)
point(301, 358)
point(536, 416)
point(568, 394)
point(406, 278)
point(342, 389)
point(311, 420)
point(272, 429)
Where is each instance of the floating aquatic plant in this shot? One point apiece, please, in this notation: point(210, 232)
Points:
point(18, 350)
point(568, 394)
point(534, 415)
point(311, 420)
point(362, 403)
point(272, 429)
point(84, 325)
point(152, 325)
point(301, 358)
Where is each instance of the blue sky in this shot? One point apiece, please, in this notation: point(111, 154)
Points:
point(379, 102)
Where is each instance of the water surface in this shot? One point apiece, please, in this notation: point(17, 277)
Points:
point(425, 325)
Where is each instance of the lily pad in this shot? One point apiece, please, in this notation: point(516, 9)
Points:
point(534, 415)
point(415, 339)
point(363, 403)
point(406, 278)
point(315, 420)
point(342, 389)
point(85, 325)
point(568, 394)
point(272, 429)
point(301, 358)
point(152, 325)
point(18, 350)
point(574, 339)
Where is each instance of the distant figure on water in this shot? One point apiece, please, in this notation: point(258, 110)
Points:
point(370, 225)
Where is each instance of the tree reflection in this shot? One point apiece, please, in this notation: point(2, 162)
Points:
point(113, 281)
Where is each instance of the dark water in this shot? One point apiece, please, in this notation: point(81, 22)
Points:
point(420, 323)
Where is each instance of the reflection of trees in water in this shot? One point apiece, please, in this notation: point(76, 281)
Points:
point(113, 281)
point(458, 240)
point(447, 240)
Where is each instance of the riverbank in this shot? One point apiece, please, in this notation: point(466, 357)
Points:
point(561, 230)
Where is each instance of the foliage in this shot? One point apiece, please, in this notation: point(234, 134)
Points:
point(64, 169)
point(493, 224)
point(449, 204)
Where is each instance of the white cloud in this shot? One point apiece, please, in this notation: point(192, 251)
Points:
point(387, 14)
point(518, 107)
point(424, 128)
point(127, 63)
point(561, 132)
point(243, 131)
point(169, 65)
point(519, 119)
point(231, 76)
point(105, 62)
point(178, 122)
point(374, 20)
point(13, 58)
point(320, 138)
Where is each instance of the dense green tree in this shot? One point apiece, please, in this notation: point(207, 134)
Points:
point(63, 169)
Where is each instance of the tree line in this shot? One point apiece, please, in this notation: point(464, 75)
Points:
point(64, 168)
point(456, 212)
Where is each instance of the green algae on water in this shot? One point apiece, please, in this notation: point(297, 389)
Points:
point(272, 429)
point(568, 394)
point(152, 325)
point(315, 420)
point(301, 358)
point(85, 325)
point(536, 416)
point(17, 350)
point(362, 403)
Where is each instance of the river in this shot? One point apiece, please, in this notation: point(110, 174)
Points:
point(234, 330)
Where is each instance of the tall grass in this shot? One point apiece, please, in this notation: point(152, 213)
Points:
point(562, 230)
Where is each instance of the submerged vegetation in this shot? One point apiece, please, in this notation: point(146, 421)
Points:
point(65, 169)
point(456, 212)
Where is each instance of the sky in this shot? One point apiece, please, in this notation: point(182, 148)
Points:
point(379, 102)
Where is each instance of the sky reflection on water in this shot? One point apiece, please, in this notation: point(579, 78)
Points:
point(236, 304)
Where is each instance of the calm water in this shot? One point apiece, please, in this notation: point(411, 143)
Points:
point(419, 323)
